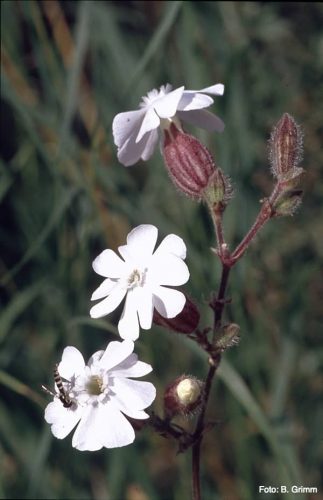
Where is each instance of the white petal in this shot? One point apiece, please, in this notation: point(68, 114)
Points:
point(137, 414)
point(169, 303)
point(130, 412)
point(203, 119)
point(150, 145)
point(131, 367)
point(142, 240)
point(63, 420)
point(72, 363)
point(150, 122)
point(191, 100)
point(116, 353)
point(124, 252)
point(128, 325)
point(145, 307)
point(135, 394)
point(95, 358)
point(217, 89)
point(109, 304)
point(167, 106)
point(109, 264)
point(172, 244)
point(88, 434)
point(104, 289)
point(168, 270)
point(125, 124)
point(117, 430)
point(131, 151)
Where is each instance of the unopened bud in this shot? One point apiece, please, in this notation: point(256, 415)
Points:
point(230, 336)
point(288, 203)
point(185, 322)
point(219, 189)
point(183, 396)
point(285, 148)
point(292, 181)
point(189, 163)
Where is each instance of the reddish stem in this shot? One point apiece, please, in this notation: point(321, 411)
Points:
point(228, 261)
point(217, 214)
point(263, 216)
point(214, 363)
point(266, 212)
point(217, 219)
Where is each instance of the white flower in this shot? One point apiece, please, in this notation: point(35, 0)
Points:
point(141, 277)
point(136, 132)
point(100, 394)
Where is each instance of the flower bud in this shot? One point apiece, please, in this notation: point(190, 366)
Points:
point(285, 148)
point(185, 322)
point(288, 203)
point(219, 189)
point(292, 180)
point(230, 336)
point(183, 396)
point(189, 163)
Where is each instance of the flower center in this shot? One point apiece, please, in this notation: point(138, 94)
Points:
point(136, 278)
point(95, 386)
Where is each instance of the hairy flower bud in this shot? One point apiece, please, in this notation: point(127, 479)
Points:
point(183, 396)
point(230, 336)
point(189, 163)
point(288, 202)
point(219, 189)
point(185, 322)
point(285, 148)
point(292, 180)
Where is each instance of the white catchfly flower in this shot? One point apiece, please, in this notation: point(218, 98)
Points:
point(100, 394)
point(136, 132)
point(142, 277)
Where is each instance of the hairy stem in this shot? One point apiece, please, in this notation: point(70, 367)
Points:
point(228, 261)
point(263, 216)
point(217, 221)
point(214, 362)
point(266, 212)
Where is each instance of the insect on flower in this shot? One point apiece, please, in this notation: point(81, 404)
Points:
point(62, 394)
point(103, 390)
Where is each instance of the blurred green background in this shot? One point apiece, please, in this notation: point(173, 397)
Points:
point(66, 69)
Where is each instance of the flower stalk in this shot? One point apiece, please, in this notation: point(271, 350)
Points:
point(195, 173)
point(214, 362)
point(284, 155)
